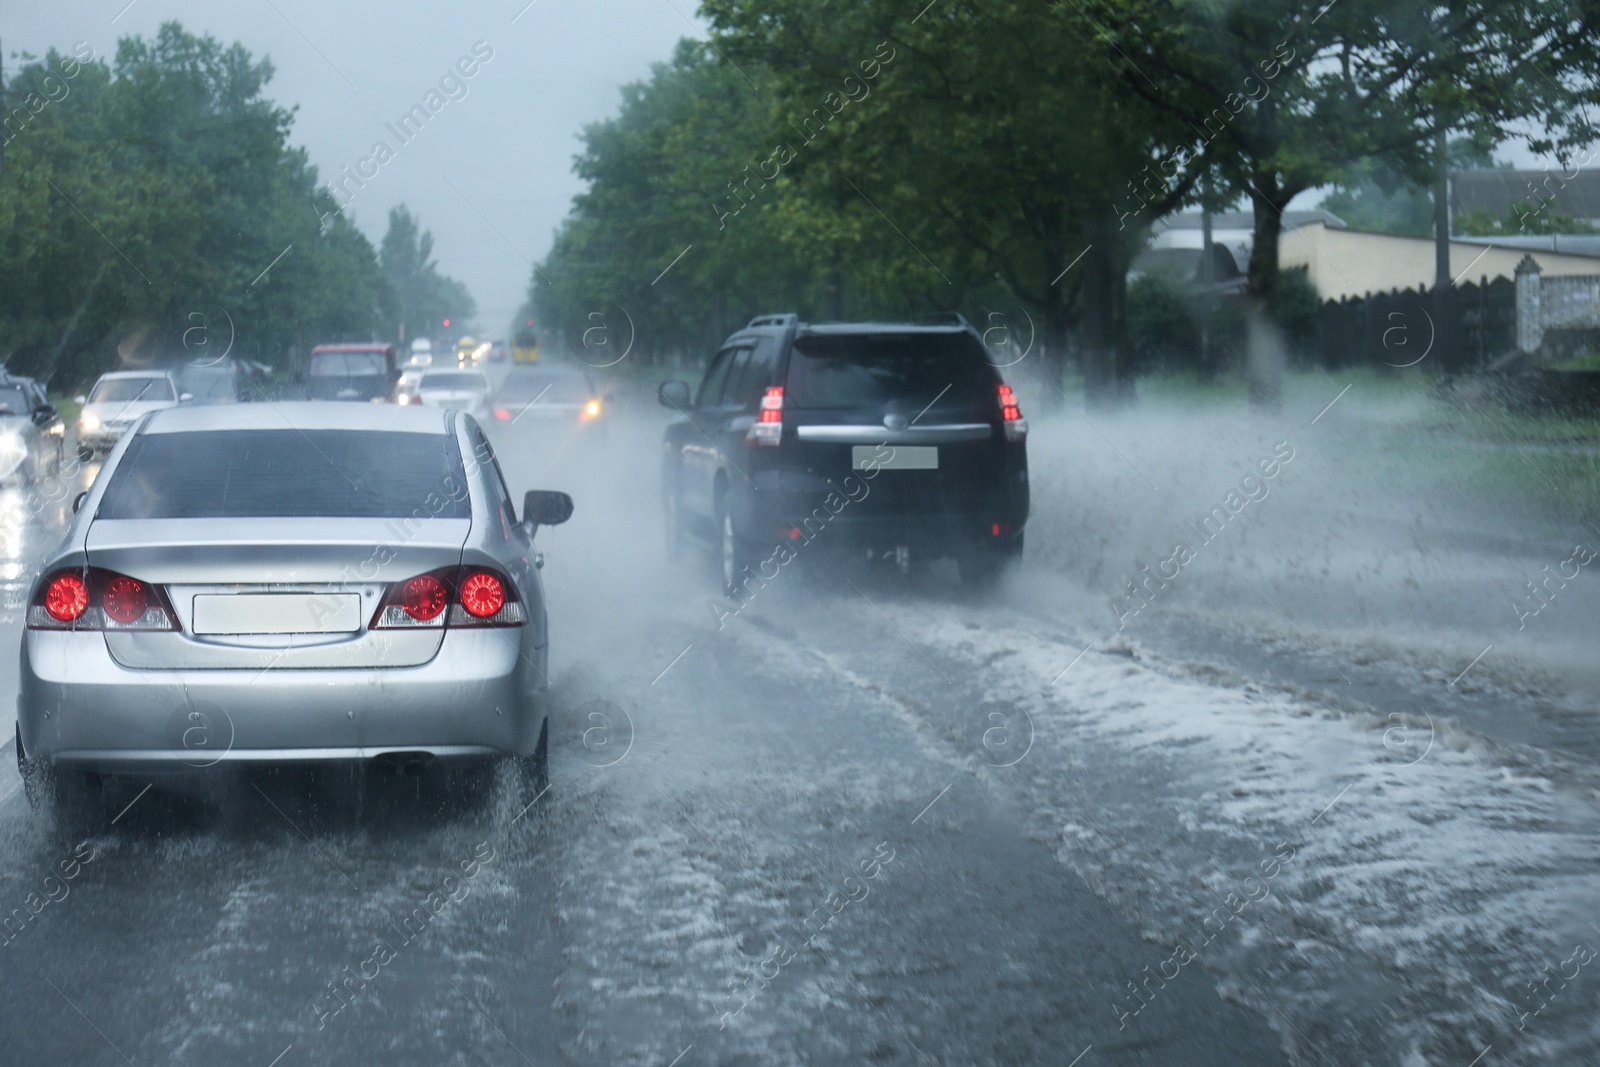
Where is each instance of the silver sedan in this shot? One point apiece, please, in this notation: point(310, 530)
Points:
point(274, 583)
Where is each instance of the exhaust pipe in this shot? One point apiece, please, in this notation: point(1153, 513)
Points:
point(412, 764)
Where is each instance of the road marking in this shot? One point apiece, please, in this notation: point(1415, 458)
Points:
point(674, 662)
point(931, 803)
point(1471, 665)
point(1331, 803)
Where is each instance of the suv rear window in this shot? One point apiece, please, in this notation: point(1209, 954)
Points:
point(211, 474)
point(109, 390)
point(850, 370)
point(347, 364)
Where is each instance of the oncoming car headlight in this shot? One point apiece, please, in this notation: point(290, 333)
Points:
point(13, 450)
point(89, 422)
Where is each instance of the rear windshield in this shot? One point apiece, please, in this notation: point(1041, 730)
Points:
point(131, 389)
point(454, 380)
point(347, 364)
point(287, 473)
point(209, 383)
point(866, 369)
point(560, 388)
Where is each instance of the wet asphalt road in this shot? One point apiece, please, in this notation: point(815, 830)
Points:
point(813, 835)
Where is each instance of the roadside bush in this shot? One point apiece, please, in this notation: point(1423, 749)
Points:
point(1162, 332)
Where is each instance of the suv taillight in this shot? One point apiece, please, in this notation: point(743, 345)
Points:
point(452, 597)
point(98, 599)
point(1011, 415)
point(768, 427)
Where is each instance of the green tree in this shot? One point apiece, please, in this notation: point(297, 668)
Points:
point(157, 193)
point(420, 297)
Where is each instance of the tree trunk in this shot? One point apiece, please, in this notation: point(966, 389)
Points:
point(1099, 318)
point(1264, 355)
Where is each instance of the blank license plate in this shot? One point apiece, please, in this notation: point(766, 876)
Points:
point(277, 613)
point(900, 457)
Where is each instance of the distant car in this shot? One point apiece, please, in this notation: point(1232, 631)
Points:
point(551, 396)
point(32, 435)
point(216, 383)
point(294, 583)
point(464, 390)
point(360, 372)
point(468, 350)
point(900, 439)
point(117, 401)
point(525, 347)
point(497, 352)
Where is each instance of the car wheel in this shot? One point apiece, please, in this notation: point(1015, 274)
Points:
point(35, 775)
point(533, 771)
point(733, 553)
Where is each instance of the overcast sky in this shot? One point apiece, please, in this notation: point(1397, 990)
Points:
point(351, 66)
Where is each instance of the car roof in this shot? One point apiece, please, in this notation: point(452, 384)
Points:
point(299, 415)
point(450, 372)
point(827, 329)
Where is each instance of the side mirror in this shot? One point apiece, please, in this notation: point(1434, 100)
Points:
point(674, 394)
point(80, 400)
point(184, 398)
point(77, 501)
point(545, 507)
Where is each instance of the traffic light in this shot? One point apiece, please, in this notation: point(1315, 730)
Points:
point(447, 322)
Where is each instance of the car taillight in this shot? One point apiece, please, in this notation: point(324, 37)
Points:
point(470, 596)
point(503, 414)
point(1011, 415)
point(482, 594)
point(66, 597)
point(125, 599)
point(98, 600)
point(768, 427)
point(423, 598)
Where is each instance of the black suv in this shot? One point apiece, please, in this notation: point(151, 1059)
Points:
point(892, 439)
